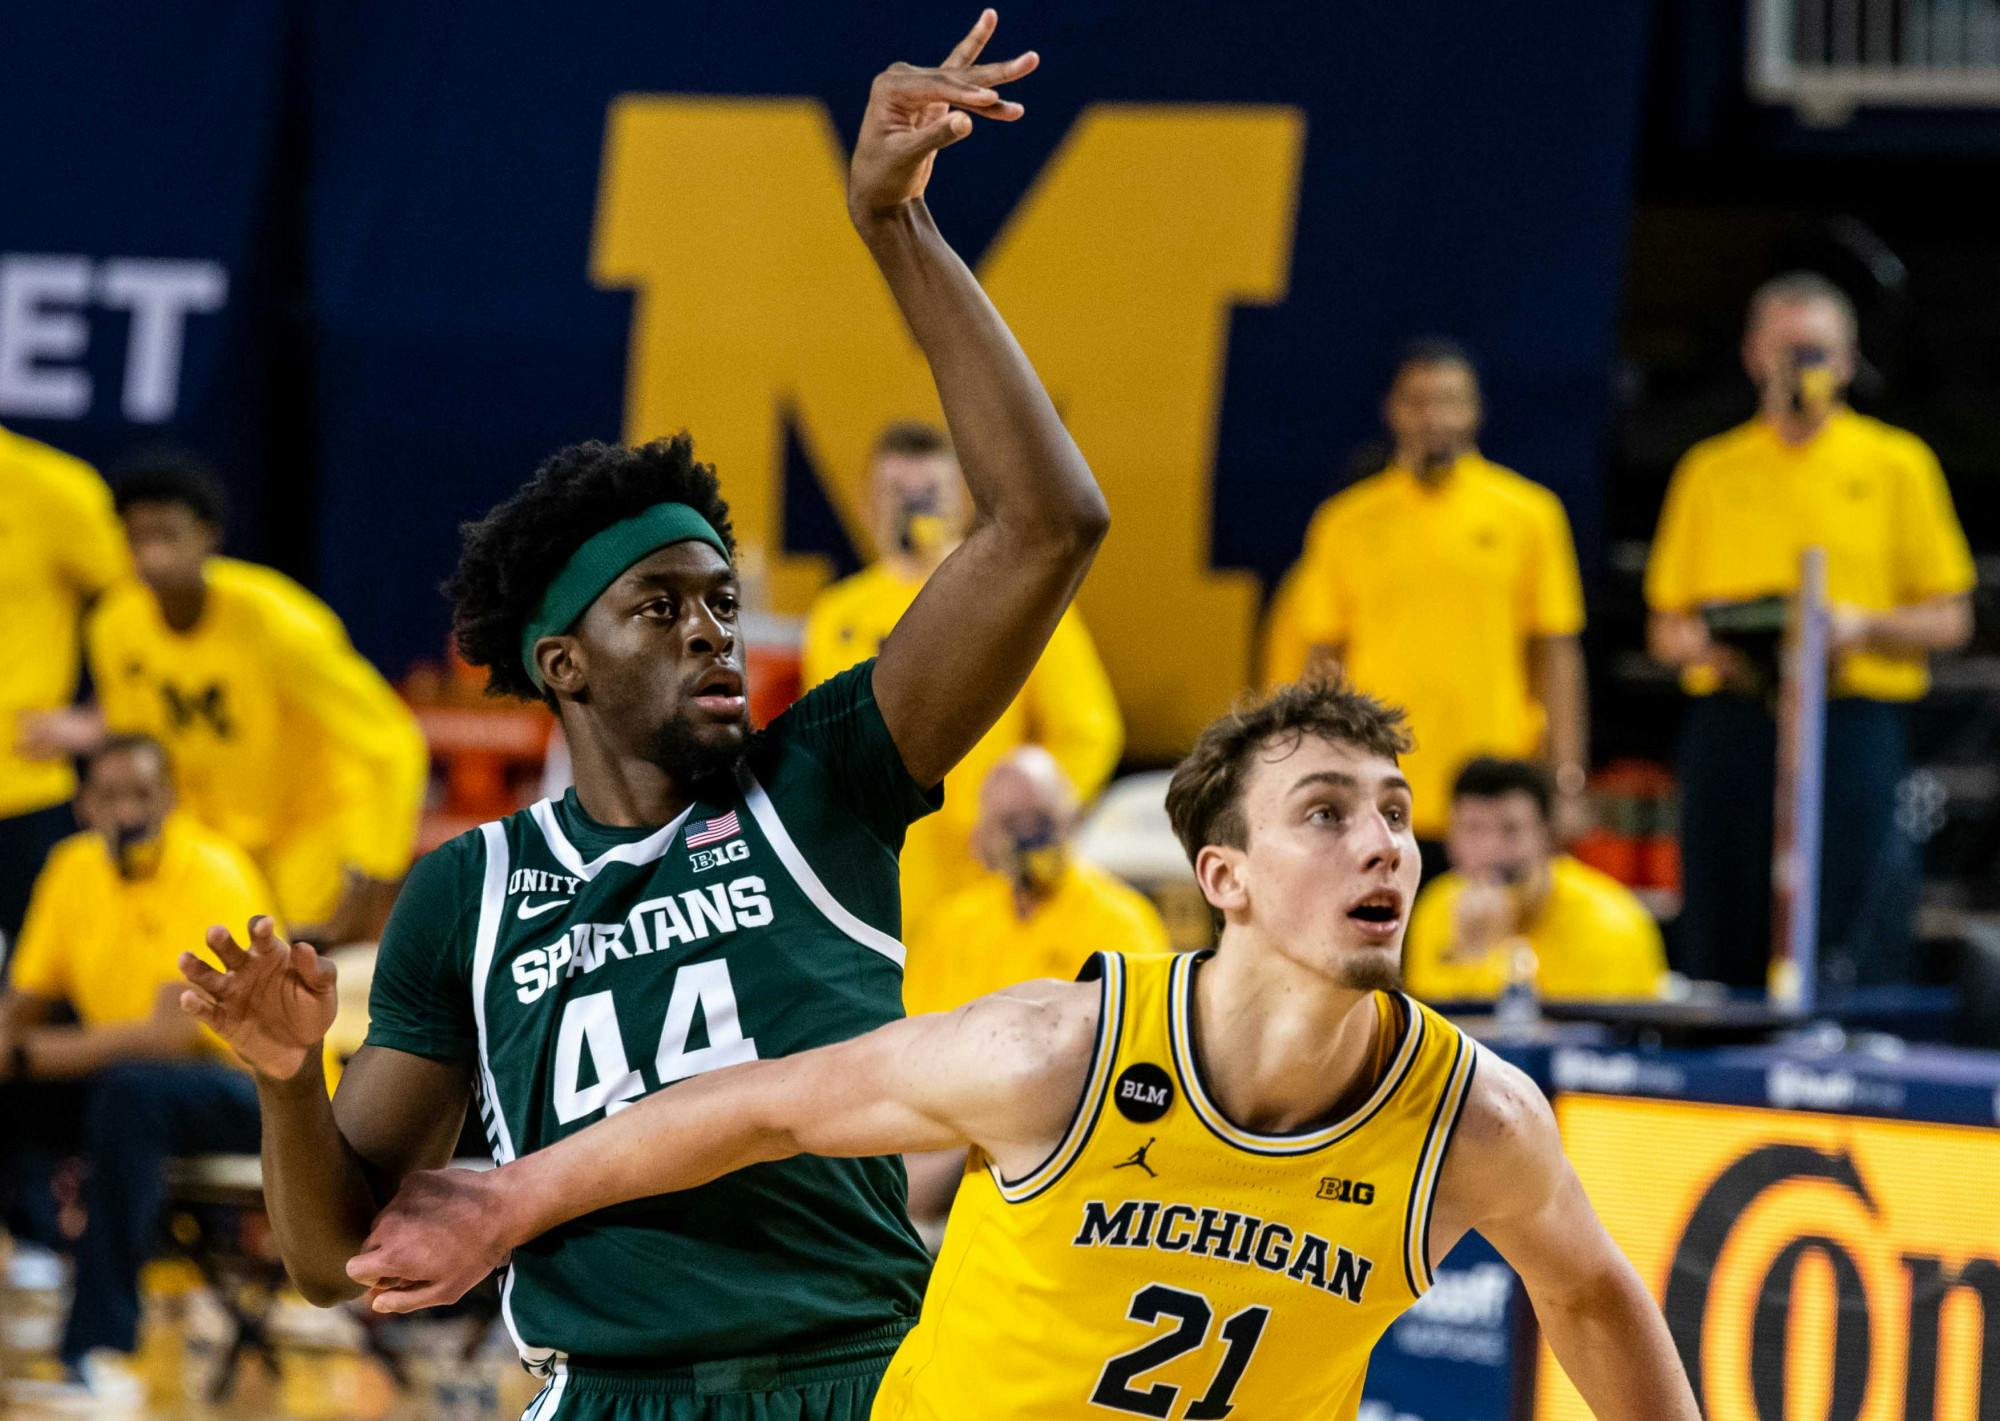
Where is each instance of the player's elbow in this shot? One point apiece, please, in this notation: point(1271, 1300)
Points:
point(1063, 528)
point(321, 1289)
point(1088, 520)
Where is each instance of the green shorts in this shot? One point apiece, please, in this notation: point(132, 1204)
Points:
point(833, 1383)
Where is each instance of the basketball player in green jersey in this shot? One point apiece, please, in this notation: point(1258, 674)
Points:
point(705, 895)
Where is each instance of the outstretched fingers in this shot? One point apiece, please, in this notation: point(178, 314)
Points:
point(968, 49)
point(202, 976)
point(1006, 71)
point(223, 945)
point(264, 938)
point(410, 1297)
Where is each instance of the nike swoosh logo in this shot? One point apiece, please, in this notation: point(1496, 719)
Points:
point(535, 910)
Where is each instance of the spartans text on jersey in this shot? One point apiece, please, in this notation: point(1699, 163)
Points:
point(655, 925)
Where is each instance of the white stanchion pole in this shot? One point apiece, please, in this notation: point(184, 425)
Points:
point(1795, 868)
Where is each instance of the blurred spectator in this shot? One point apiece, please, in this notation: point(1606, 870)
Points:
point(135, 1080)
point(1741, 509)
point(1509, 886)
point(283, 738)
point(1448, 585)
point(1039, 912)
point(919, 508)
point(59, 548)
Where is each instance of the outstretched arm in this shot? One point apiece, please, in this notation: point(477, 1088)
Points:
point(963, 650)
point(1003, 1073)
point(1507, 1177)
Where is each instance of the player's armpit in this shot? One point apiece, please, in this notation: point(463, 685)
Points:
point(1506, 1175)
point(1003, 1072)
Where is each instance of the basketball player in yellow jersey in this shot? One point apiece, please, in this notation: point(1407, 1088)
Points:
point(1202, 1186)
point(283, 738)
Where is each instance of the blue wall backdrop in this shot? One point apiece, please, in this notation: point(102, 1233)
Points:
point(404, 199)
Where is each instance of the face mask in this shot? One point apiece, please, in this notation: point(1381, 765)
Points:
point(1036, 857)
point(920, 528)
point(136, 850)
point(1814, 386)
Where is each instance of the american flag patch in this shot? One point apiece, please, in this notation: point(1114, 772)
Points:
point(713, 831)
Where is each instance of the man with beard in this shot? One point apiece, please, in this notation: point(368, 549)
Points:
point(703, 896)
point(1205, 1184)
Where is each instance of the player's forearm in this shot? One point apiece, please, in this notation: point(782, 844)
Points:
point(315, 1188)
point(1025, 472)
point(672, 1140)
point(1614, 1345)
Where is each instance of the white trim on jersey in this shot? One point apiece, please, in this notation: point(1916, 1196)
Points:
point(766, 815)
point(492, 908)
point(647, 850)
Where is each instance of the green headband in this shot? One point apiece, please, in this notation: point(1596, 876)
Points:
point(599, 563)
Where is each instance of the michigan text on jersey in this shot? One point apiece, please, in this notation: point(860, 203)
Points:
point(1228, 1236)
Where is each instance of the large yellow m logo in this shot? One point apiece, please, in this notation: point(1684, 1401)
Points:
point(757, 305)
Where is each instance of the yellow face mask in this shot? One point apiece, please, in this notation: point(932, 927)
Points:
point(136, 852)
point(1814, 385)
point(1037, 857)
point(922, 534)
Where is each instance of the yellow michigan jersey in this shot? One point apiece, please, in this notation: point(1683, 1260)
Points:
point(283, 738)
point(1165, 1262)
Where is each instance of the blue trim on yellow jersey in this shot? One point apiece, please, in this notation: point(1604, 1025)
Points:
point(1180, 997)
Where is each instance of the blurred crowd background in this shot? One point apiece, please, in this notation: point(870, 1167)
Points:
point(1504, 362)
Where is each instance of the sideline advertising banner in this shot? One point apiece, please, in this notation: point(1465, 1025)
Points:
point(1810, 1266)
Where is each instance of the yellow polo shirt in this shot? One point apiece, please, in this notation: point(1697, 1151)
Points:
point(1283, 652)
point(1592, 939)
point(1067, 707)
point(283, 738)
point(108, 945)
point(60, 545)
point(1744, 505)
point(1433, 595)
point(975, 944)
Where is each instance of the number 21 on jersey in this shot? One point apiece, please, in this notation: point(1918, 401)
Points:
point(1192, 1315)
point(589, 1028)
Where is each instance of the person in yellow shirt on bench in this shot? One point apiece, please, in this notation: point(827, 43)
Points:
point(1067, 707)
point(59, 548)
point(132, 1081)
point(284, 739)
point(1509, 889)
point(1037, 911)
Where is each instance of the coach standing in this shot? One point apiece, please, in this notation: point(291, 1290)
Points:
point(1448, 585)
point(1742, 507)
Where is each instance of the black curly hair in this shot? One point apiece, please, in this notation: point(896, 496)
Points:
point(508, 558)
point(171, 477)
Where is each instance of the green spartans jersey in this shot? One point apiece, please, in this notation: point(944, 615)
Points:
point(581, 967)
